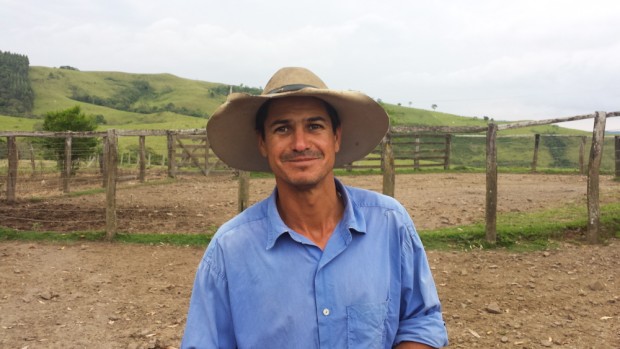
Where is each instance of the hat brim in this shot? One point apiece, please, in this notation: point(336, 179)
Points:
point(233, 138)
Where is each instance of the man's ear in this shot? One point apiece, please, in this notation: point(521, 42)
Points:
point(261, 144)
point(338, 138)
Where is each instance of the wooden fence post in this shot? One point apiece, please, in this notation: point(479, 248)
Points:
point(617, 146)
point(536, 146)
point(207, 155)
point(11, 181)
point(446, 162)
point(33, 164)
point(66, 175)
point(111, 151)
point(582, 155)
point(596, 152)
point(387, 156)
point(142, 165)
point(103, 163)
point(243, 200)
point(416, 154)
point(171, 155)
point(491, 194)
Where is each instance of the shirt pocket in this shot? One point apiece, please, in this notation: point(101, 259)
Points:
point(366, 325)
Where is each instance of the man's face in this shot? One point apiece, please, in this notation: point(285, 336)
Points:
point(299, 142)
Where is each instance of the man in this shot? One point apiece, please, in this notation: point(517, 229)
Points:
point(317, 264)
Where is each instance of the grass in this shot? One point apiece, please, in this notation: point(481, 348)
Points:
point(516, 232)
point(7, 234)
point(11, 123)
point(527, 231)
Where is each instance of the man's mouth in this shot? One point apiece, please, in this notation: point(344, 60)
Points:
point(302, 156)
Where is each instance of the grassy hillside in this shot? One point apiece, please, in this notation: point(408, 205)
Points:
point(11, 123)
point(54, 89)
point(400, 115)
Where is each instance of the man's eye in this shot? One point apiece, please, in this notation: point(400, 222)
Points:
point(316, 126)
point(281, 129)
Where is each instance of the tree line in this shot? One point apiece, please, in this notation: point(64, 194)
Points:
point(16, 95)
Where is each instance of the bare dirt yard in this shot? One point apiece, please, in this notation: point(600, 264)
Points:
point(101, 295)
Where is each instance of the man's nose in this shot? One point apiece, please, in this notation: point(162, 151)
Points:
point(300, 143)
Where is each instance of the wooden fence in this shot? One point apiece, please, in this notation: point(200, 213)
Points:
point(593, 232)
point(412, 150)
point(420, 146)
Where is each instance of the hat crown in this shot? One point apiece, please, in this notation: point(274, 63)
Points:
point(292, 79)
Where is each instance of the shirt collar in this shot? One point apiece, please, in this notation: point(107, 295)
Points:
point(354, 222)
point(277, 227)
point(276, 224)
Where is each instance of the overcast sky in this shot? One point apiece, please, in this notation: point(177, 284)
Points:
point(509, 60)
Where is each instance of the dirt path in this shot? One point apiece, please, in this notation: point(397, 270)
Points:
point(98, 295)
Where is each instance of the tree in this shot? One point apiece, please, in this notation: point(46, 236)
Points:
point(71, 119)
point(434, 106)
point(16, 95)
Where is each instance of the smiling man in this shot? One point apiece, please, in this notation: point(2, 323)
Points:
point(317, 264)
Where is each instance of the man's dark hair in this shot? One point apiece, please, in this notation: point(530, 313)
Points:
point(261, 116)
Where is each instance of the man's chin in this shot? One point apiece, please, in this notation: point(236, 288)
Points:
point(304, 183)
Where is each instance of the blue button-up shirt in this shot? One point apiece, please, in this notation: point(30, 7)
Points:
point(262, 285)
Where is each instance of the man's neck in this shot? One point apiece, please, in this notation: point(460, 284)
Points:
point(312, 212)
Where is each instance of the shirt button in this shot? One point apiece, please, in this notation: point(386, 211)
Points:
point(326, 312)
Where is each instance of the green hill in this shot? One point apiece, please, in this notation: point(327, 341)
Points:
point(58, 89)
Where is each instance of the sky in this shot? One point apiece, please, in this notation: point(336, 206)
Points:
point(508, 60)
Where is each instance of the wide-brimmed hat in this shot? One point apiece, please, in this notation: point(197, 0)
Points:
point(231, 129)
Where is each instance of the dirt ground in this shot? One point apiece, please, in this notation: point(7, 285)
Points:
point(98, 295)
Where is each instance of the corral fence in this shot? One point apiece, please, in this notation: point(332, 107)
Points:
point(410, 151)
point(184, 152)
point(593, 171)
point(415, 150)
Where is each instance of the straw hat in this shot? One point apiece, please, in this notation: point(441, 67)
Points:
point(231, 129)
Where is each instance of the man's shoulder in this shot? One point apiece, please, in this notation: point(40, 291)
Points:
point(246, 220)
point(370, 196)
point(367, 198)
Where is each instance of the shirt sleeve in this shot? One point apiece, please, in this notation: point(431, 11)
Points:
point(209, 321)
point(420, 316)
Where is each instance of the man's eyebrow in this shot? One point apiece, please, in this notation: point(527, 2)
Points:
point(280, 122)
point(317, 118)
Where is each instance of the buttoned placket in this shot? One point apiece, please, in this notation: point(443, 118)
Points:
point(324, 284)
